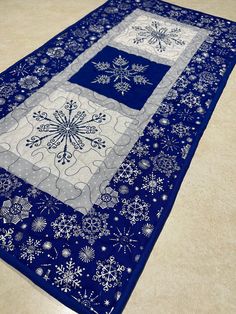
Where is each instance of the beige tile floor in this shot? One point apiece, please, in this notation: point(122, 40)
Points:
point(192, 267)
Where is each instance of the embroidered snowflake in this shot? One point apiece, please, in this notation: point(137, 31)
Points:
point(8, 183)
point(123, 240)
point(93, 227)
point(152, 183)
point(69, 130)
point(121, 73)
point(135, 210)
point(108, 273)
point(108, 198)
point(15, 210)
point(29, 82)
point(30, 250)
point(180, 129)
point(155, 131)
point(64, 226)
point(6, 240)
point(127, 172)
point(68, 276)
point(88, 299)
point(140, 149)
point(33, 192)
point(87, 254)
point(157, 35)
point(165, 163)
point(166, 109)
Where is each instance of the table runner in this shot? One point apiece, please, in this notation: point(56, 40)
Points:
point(98, 128)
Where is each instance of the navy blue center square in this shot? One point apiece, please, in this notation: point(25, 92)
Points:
point(127, 78)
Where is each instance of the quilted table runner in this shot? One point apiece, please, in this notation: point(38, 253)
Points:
point(97, 130)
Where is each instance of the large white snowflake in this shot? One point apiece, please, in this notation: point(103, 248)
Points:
point(127, 172)
point(121, 74)
point(94, 226)
point(31, 249)
point(64, 226)
point(158, 36)
point(68, 276)
point(108, 273)
point(135, 209)
point(152, 183)
point(6, 240)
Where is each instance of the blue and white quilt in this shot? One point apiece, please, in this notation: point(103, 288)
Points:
point(97, 130)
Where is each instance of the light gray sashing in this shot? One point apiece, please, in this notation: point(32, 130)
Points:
point(83, 200)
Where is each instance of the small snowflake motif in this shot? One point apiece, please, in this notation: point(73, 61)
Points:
point(94, 226)
point(8, 183)
point(155, 131)
point(180, 129)
point(6, 240)
point(152, 183)
point(191, 100)
point(108, 273)
point(108, 198)
point(127, 172)
point(158, 36)
point(124, 240)
point(87, 254)
point(64, 226)
point(135, 210)
point(88, 299)
point(140, 149)
point(72, 131)
point(15, 210)
point(39, 224)
point(30, 250)
point(68, 276)
point(165, 163)
point(121, 74)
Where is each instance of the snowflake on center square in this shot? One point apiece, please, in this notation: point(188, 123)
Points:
point(121, 73)
point(158, 35)
point(67, 129)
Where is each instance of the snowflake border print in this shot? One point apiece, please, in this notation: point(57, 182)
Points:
point(114, 91)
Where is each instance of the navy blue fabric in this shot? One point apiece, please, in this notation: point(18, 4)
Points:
point(138, 94)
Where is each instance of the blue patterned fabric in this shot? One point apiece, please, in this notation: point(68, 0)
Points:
point(124, 77)
point(91, 261)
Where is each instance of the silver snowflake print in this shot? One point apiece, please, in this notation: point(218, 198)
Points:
point(123, 240)
point(30, 250)
point(68, 130)
point(64, 226)
point(140, 149)
point(165, 163)
point(165, 109)
point(94, 226)
point(191, 100)
point(147, 229)
point(108, 198)
point(15, 210)
point(180, 129)
point(6, 240)
point(127, 172)
point(8, 183)
point(87, 254)
point(68, 276)
point(39, 224)
point(121, 74)
point(169, 143)
point(158, 36)
point(152, 183)
point(155, 131)
point(89, 299)
point(48, 204)
point(135, 210)
point(108, 273)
